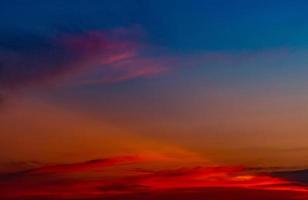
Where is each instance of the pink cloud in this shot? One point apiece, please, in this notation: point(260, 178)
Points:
point(79, 58)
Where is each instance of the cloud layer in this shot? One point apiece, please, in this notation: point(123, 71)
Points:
point(129, 179)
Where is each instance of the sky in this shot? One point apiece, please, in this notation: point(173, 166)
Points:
point(136, 99)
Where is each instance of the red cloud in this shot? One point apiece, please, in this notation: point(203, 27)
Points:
point(197, 182)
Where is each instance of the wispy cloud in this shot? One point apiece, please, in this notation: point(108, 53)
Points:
point(87, 56)
point(80, 167)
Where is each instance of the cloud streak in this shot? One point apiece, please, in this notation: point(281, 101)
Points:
point(81, 57)
point(80, 167)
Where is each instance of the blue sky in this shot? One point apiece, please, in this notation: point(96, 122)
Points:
point(183, 26)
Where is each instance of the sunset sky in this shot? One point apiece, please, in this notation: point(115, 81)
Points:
point(153, 99)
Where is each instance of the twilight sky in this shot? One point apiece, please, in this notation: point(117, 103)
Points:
point(142, 99)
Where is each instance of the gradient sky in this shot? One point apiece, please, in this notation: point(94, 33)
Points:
point(136, 99)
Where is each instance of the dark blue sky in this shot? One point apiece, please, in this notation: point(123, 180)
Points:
point(180, 25)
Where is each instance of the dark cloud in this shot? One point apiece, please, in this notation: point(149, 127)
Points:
point(300, 176)
point(30, 59)
point(69, 168)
